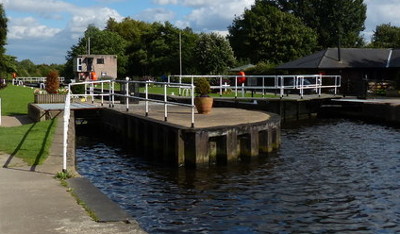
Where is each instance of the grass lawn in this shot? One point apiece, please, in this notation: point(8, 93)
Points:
point(15, 99)
point(31, 142)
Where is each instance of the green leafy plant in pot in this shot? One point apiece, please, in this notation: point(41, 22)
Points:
point(202, 101)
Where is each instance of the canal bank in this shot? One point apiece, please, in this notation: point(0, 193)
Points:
point(225, 136)
point(32, 201)
point(374, 110)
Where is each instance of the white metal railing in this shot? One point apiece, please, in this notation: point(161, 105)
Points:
point(92, 90)
point(89, 90)
point(265, 83)
point(127, 94)
point(38, 80)
point(66, 120)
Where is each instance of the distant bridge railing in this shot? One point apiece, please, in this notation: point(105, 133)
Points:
point(304, 84)
point(31, 80)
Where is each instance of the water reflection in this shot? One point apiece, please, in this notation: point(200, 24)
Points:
point(329, 176)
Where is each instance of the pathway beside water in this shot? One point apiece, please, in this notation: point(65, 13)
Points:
point(328, 176)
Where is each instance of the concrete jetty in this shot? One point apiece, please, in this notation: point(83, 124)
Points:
point(224, 136)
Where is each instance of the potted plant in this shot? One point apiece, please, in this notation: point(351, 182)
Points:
point(202, 101)
point(52, 93)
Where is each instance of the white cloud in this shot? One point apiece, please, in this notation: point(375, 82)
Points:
point(215, 15)
point(156, 15)
point(381, 12)
point(30, 37)
point(165, 2)
point(29, 28)
point(96, 16)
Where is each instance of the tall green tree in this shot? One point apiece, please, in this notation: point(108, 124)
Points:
point(213, 54)
point(386, 36)
point(153, 49)
point(265, 33)
point(334, 21)
point(5, 64)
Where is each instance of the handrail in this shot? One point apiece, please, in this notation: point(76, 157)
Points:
point(126, 94)
point(268, 82)
point(90, 92)
point(66, 120)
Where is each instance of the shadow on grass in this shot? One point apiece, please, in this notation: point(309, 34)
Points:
point(18, 146)
point(42, 148)
point(39, 155)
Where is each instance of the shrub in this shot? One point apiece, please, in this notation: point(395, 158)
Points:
point(52, 82)
point(78, 89)
point(202, 88)
point(3, 83)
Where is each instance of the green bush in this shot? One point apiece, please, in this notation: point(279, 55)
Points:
point(202, 88)
point(78, 89)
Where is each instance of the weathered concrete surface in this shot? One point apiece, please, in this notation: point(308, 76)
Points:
point(105, 209)
point(225, 135)
point(32, 201)
point(385, 110)
point(181, 116)
point(16, 120)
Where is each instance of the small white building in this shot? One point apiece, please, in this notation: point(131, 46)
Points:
point(95, 67)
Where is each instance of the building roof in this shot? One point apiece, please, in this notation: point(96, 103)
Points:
point(350, 58)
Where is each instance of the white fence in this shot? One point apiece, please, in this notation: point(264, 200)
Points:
point(313, 84)
point(31, 80)
point(92, 90)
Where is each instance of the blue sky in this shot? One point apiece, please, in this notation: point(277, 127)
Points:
point(44, 30)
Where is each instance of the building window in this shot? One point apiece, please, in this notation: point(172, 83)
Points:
point(100, 61)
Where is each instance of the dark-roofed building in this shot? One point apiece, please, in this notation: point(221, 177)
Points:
point(355, 65)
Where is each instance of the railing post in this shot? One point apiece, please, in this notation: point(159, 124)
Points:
point(165, 103)
point(127, 93)
point(335, 85)
point(66, 127)
point(92, 91)
point(147, 98)
point(220, 86)
point(236, 87)
point(0, 111)
point(112, 93)
point(319, 85)
point(102, 93)
point(179, 89)
point(192, 97)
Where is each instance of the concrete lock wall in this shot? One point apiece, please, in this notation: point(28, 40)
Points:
point(191, 147)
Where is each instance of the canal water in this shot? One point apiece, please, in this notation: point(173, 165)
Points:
point(328, 176)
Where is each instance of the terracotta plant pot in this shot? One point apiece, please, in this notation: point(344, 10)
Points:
point(203, 104)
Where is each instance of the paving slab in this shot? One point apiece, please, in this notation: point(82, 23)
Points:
point(33, 201)
point(100, 204)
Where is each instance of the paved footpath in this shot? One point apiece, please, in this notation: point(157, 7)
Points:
point(32, 201)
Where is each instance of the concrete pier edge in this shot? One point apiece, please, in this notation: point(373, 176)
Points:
point(104, 209)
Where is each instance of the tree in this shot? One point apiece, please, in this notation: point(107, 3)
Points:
point(101, 42)
point(3, 40)
point(333, 21)
point(386, 36)
point(213, 54)
point(265, 33)
point(153, 49)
